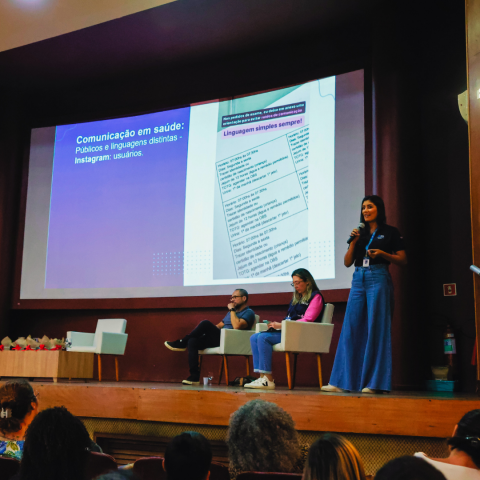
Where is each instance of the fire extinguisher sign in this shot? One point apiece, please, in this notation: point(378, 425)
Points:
point(449, 346)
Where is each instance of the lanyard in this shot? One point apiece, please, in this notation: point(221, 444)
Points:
point(371, 240)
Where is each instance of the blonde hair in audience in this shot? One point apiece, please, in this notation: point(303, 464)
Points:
point(333, 457)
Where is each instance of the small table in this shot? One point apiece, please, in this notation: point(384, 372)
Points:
point(46, 363)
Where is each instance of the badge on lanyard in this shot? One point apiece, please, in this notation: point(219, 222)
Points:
point(366, 259)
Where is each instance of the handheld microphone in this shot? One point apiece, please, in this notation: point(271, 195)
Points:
point(350, 240)
point(475, 269)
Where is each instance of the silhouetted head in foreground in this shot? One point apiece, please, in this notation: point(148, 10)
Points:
point(56, 447)
point(409, 468)
point(188, 456)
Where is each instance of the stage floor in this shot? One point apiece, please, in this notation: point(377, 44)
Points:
point(425, 414)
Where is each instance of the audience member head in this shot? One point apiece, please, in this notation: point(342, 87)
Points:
point(466, 436)
point(409, 468)
point(262, 438)
point(119, 475)
point(18, 407)
point(333, 457)
point(56, 447)
point(188, 455)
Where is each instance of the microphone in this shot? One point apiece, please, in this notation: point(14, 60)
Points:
point(475, 269)
point(350, 240)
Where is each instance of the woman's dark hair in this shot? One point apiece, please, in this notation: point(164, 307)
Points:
point(188, 455)
point(307, 277)
point(16, 396)
point(56, 447)
point(378, 202)
point(467, 436)
point(333, 457)
point(409, 468)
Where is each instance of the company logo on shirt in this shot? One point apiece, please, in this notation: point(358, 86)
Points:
point(380, 237)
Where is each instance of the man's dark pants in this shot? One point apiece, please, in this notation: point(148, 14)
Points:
point(205, 335)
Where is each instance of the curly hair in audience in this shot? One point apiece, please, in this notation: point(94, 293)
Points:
point(333, 457)
point(262, 438)
point(18, 396)
point(56, 447)
point(467, 436)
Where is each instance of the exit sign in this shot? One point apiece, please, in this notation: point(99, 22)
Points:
point(450, 290)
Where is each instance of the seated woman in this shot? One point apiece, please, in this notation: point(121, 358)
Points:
point(463, 463)
point(333, 457)
point(18, 407)
point(306, 306)
point(262, 438)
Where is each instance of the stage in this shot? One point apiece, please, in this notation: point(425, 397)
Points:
point(422, 414)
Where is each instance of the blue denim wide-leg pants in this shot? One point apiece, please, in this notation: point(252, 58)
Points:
point(364, 352)
point(262, 349)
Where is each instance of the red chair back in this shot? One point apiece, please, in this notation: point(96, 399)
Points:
point(269, 476)
point(150, 468)
point(99, 464)
point(8, 467)
point(218, 471)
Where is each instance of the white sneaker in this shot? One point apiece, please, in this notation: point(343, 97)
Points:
point(331, 388)
point(262, 382)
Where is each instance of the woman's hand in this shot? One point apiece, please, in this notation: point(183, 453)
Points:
point(348, 259)
point(355, 233)
point(275, 325)
point(398, 258)
point(374, 253)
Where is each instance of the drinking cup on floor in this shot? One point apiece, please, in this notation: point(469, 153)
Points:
point(205, 380)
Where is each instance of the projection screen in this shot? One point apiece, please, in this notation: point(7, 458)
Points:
point(198, 200)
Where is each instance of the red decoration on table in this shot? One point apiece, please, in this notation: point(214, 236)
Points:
point(17, 347)
point(30, 348)
point(42, 347)
point(56, 347)
point(1, 348)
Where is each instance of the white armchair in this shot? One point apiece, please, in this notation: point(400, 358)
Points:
point(232, 342)
point(109, 339)
point(300, 337)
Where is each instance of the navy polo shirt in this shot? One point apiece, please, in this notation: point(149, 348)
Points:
point(246, 314)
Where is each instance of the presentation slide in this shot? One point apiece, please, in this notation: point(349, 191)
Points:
point(198, 200)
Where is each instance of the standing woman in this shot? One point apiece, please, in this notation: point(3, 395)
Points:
point(363, 361)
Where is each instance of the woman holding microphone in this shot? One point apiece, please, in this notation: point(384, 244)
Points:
point(363, 361)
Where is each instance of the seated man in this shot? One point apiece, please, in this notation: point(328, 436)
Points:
point(207, 335)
